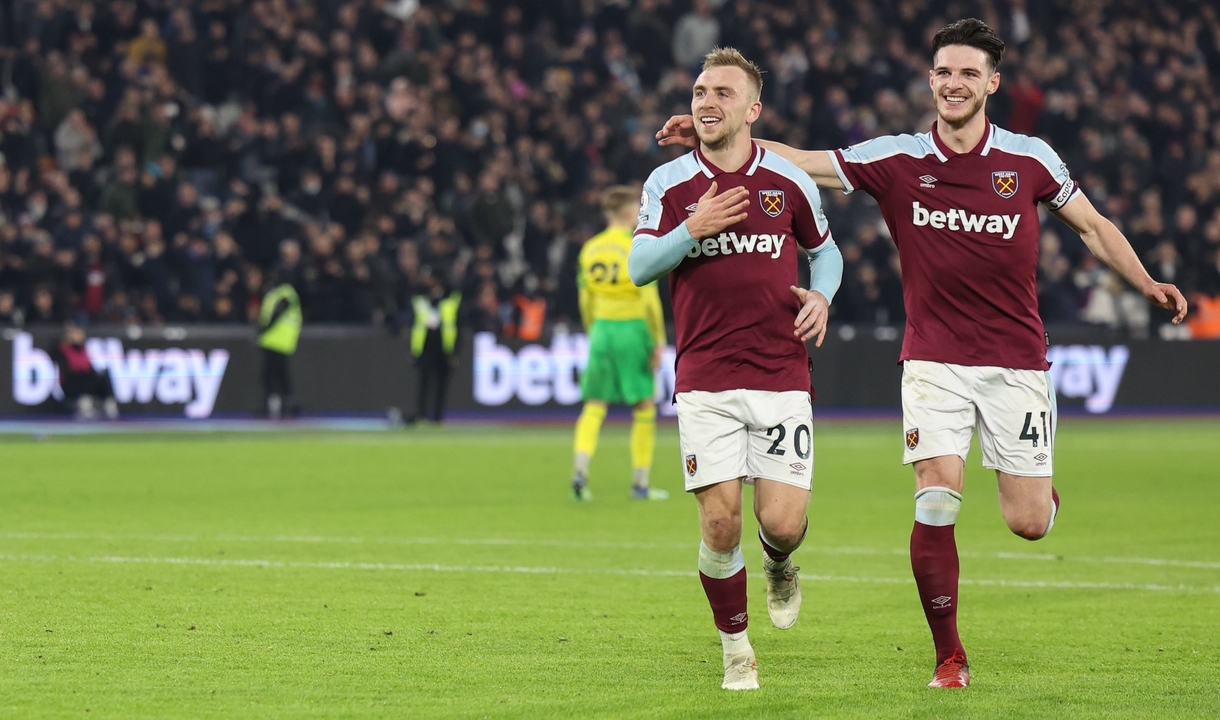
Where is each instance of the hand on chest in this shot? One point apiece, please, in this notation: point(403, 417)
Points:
point(766, 233)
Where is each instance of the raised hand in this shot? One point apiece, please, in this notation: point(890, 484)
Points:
point(717, 212)
point(1167, 296)
point(679, 130)
point(815, 311)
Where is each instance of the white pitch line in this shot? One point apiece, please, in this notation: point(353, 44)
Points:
point(1159, 561)
point(609, 544)
point(529, 570)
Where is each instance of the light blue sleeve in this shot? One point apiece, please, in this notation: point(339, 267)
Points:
point(653, 257)
point(826, 269)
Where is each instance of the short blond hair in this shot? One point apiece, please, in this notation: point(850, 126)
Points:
point(617, 198)
point(732, 57)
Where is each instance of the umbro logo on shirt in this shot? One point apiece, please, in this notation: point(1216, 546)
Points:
point(927, 181)
point(690, 209)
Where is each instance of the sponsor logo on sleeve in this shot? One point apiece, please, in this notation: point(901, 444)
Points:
point(772, 201)
point(1004, 182)
point(644, 201)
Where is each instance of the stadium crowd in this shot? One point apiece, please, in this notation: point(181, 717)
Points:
point(168, 160)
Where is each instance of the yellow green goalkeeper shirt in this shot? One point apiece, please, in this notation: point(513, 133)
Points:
point(606, 291)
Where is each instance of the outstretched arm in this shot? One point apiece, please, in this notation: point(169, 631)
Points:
point(1111, 247)
point(680, 130)
point(819, 164)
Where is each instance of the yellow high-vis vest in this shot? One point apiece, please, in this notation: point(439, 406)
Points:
point(282, 336)
point(448, 310)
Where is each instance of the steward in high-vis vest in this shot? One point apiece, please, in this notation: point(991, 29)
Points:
point(279, 323)
point(434, 338)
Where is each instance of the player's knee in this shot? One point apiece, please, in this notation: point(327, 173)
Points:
point(1034, 521)
point(786, 529)
point(722, 539)
point(1030, 527)
point(721, 529)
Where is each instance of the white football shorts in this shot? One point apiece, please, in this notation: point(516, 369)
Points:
point(1013, 411)
point(745, 433)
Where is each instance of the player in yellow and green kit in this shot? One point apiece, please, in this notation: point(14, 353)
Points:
point(626, 332)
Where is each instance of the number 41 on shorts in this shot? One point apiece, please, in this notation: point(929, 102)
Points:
point(1030, 431)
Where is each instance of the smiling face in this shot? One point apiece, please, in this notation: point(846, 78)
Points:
point(961, 78)
point(723, 104)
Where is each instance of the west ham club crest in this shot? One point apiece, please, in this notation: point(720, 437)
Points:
point(772, 201)
point(1004, 182)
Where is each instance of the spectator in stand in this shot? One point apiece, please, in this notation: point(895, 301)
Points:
point(695, 35)
point(10, 315)
point(491, 124)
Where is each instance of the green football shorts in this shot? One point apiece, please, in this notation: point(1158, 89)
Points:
point(620, 363)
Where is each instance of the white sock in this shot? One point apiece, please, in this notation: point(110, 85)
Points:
point(581, 466)
point(735, 643)
point(937, 506)
point(720, 565)
point(640, 477)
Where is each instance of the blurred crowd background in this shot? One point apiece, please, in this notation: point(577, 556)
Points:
point(167, 161)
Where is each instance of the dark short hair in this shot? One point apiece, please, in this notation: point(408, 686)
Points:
point(970, 32)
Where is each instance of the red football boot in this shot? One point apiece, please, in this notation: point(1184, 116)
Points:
point(952, 673)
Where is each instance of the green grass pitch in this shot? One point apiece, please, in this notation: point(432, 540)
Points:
point(447, 573)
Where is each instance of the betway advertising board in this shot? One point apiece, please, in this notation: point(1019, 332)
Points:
point(862, 373)
point(172, 376)
point(202, 371)
point(156, 375)
point(536, 375)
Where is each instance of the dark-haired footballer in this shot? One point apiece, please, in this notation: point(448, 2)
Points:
point(961, 202)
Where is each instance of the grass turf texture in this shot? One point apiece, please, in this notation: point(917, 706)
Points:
point(447, 573)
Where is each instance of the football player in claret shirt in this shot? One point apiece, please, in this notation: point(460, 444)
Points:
point(961, 203)
point(730, 222)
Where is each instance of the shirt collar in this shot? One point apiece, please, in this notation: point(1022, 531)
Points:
point(983, 148)
point(712, 171)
